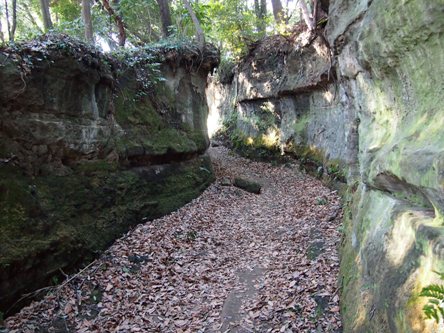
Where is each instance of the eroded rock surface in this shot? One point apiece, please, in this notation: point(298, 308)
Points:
point(390, 55)
point(285, 97)
point(90, 146)
point(377, 115)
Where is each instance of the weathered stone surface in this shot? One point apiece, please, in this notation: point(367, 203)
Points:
point(288, 102)
point(247, 185)
point(221, 100)
point(343, 15)
point(275, 68)
point(392, 58)
point(92, 154)
point(382, 119)
point(59, 111)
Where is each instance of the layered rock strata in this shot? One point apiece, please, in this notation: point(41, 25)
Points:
point(369, 101)
point(90, 146)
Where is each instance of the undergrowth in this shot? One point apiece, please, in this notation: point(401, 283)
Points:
point(434, 309)
point(145, 61)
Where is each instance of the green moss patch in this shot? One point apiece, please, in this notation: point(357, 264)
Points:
point(55, 222)
point(152, 126)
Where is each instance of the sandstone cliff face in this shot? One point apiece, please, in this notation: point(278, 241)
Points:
point(89, 149)
point(390, 57)
point(379, 115)
point(284, 96)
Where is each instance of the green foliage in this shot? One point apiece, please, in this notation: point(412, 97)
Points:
point(55, 280)
point(96, 296)
point(335, 171)
point(434, 309)
point(142, 20)
point(66, 10)
point(230, 123)
point(146, 65)
point(232, 25)
point(72, 28)
point(31, 54)
point(225, 71)
point(28, 19)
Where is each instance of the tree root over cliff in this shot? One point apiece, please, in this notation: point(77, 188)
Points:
point(230, 261)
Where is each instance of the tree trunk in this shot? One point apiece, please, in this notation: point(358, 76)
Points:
point(199, 32)
point(47, 23)
point(165, 17)
point(14, 20)
point(8, 23)
point(278, 11)
point(87, 21)
point(118, 20)
point(260, 7)
point(2, 36)
point(306, 15)
point(263, 8)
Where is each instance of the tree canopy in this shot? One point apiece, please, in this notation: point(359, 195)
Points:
point(109, 24)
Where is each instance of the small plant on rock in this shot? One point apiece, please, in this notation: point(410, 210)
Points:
point(434, 309)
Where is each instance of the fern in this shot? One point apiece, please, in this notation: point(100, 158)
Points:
point(434, 309)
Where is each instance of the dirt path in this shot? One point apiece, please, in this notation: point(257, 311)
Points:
point(229, 261)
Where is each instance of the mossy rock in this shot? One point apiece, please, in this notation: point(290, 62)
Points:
point(101, 154)
point(247, 185)
point(315, 249)
point(53, 222)
point(152, 124)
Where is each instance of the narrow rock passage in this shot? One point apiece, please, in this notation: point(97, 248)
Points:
point(230, 261)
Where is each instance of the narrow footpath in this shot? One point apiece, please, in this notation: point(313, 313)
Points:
point(229, 261)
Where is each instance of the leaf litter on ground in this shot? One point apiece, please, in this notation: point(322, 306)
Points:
point(175, 273)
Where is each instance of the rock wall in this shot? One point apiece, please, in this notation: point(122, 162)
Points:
point(284, 96)
point(389, 56)
point(380, 115)
point(90, 146)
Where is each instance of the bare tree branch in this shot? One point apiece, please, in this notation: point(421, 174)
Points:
point(118, 20)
